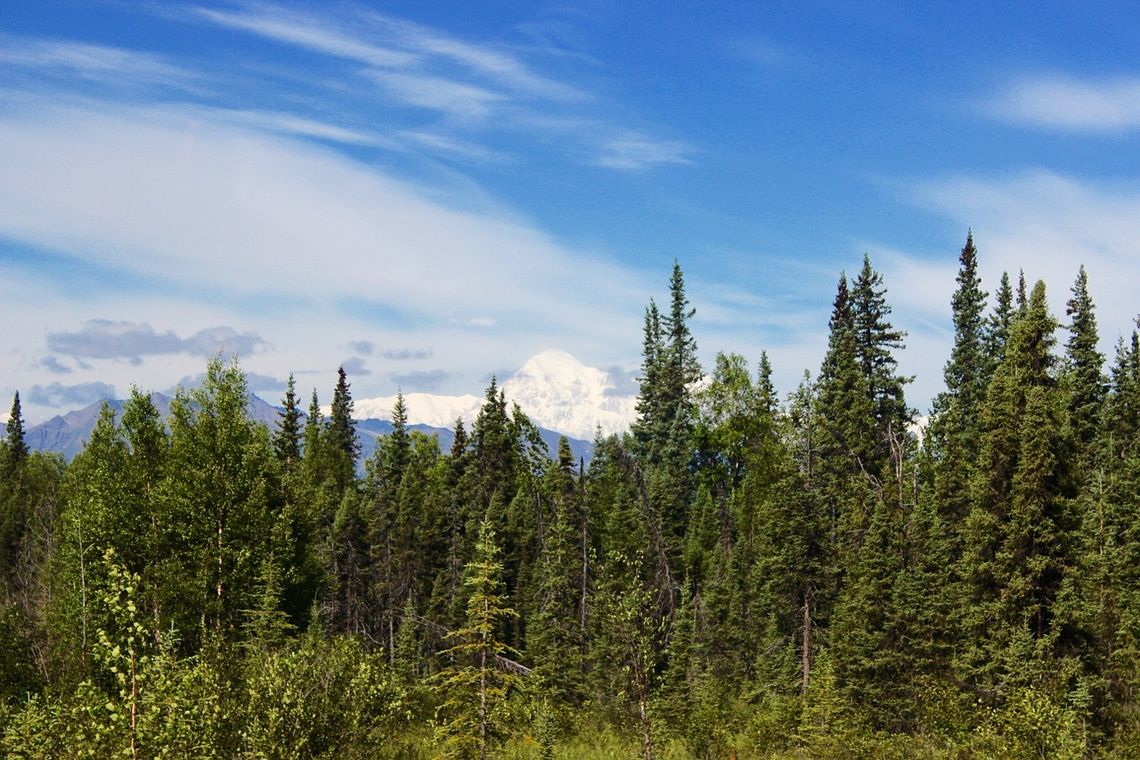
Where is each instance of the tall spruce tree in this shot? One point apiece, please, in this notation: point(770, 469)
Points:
point(17, 448)
point(287, 436)
point(875, 341)
point(964, 372)
point(953, 433)
point(1018, 533)
point(477, 684)
point(649, 429)
point(847, 454)
point(1085, 362)
point(998, 324)
point(343, 443)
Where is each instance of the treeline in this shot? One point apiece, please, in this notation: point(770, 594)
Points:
point(739, 575)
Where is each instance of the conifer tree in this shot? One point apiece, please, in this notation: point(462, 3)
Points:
point(965, 381)
point(998, 324)
point(1086, 380)
point(14, 512)
point(555, 635)
point(287, 436)
point(17, 448)
point(953, 433)
point(476, 685)
point(314, 443)
point(649, 428)
point(1018, 532)
point(848, 450)
point(875, 340)
point(341, 439)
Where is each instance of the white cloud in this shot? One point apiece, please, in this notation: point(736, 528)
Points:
point(92, 62)
point(482, 87)
point(387, 42)
point(634, 150)
point(496, 65)
point(302, 30)
point(1039, 221)
point(214, 222)
point(439, 94)
point(291, 125)
point(1073, 105)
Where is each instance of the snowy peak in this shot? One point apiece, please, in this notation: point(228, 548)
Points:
point(553, 388)
point(559, 392)
point(422, 408)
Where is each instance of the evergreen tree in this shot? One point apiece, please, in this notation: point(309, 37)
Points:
point(954, 432)
point(287, 436)
point(669, 368)
point(649, 430)
point(1086, 380)
point(875, 339)
point(343, 444)
point(848, 459)
point(1017, 535)
point(964, 376)
point(555, 635)
point(477, 684)
point(998, 324)
point(17, 448)
point(13, 507)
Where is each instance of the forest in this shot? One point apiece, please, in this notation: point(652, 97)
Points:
point(740, 575)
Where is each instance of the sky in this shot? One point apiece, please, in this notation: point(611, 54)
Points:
point(428, 193)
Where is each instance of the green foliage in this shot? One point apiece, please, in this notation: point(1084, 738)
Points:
point(475, 687)
point(16, 449)
point(287, 437)
point(737, 578)
point(322, 698)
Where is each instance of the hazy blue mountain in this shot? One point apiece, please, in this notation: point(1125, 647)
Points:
point(67, 433)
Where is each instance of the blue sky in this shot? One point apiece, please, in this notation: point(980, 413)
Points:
point(429, 192)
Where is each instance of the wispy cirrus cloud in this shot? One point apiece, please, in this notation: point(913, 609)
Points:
point(636, 151)
point(441, 94)
point(92, 62)
point(477, 89)
point(306, 31)
point(1069, 104)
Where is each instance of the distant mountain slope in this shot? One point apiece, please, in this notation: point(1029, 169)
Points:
point(555, 390)
point(68, 433)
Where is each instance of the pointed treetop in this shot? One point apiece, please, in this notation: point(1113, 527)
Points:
point(17, 446)
point(342, 428)
point(287, 437)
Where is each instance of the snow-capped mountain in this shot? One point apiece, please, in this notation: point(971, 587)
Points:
point(554, 389)
point(423, 409)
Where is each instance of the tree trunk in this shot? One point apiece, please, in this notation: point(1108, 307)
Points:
point(805, 641)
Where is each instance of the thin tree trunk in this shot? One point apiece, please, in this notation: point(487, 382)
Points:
point(483, 698)
point(82, 598)
point(585, 573)
point(805, 641)
point(221, 566)
point(646, 736)
point(134, 707)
